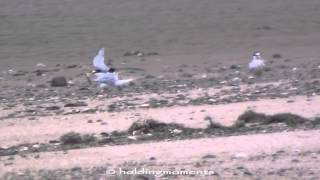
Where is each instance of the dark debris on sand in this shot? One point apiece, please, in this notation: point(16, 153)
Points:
point(249, 122)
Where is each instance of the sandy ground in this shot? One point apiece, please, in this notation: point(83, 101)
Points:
point(179, 152)
point(42, 130)
point(189, 37)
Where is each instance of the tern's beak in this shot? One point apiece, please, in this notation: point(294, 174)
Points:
point(90, 74)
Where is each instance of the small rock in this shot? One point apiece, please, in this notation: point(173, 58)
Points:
point(54, 141)
point(20, 173)
point(10, 158)
point(72, 66)
point(295, 160)
point(89, 121)
point(76, 104)
point(233, 67)
point(41, 86)
point(89, 110)
point(152, 53)
point(104, 134)
point(186, 75)
point(152, 158)
point(145, 105)
point(36, 146)
point(132, 137)
point(276, 56)
point(71, 82)
point(236, 79)
point(177, 131)
point(203, 76)
point(4, 147)
point(212, 100)
point(140, 54)
point(127, 54)
point(59, 81)
point(24, 149)
point(239, 156)
point(209, 156)
point(197, 164)
point(149, 77)
point(41, 65)
point(51, 108)
point(8, 163)
point(248, 173)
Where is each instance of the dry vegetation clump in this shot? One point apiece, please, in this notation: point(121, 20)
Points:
point(73, 138)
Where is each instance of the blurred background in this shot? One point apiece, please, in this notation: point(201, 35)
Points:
point(72, 31)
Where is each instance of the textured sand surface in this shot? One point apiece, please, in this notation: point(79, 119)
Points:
point(195, 37)
point(44, 129)
point(173, 152)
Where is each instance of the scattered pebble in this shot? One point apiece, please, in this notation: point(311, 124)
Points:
point(239, 156)
point(177, 131)
point(41, 65)
point(24, 149)
point(59, 81)
point(76, 104)
point(145, 105)
point(36, 146)
point(276, 56)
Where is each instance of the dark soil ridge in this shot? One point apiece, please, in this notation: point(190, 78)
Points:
point(232, 95)
point(249, 122)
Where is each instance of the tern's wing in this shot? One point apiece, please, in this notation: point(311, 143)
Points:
point(123, 82)
point(252, 64)
point(98, 61)
point(107, 78)
point(256, 64)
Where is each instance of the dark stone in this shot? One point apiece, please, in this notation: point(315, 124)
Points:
point(209, 156)
point(59, 81)
point(76, 104)
point(276, 56)
point(51, 108)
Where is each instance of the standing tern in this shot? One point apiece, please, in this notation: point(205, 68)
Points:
point(257, 63)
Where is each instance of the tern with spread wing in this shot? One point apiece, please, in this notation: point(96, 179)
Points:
point(98, 62)
point(106, 76)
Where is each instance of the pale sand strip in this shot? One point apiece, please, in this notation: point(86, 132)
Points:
point(17, 131)
point(184, 151)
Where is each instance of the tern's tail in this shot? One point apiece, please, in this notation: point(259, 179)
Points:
point(123, 82)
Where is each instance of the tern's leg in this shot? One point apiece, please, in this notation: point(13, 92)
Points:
point(88, 78)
